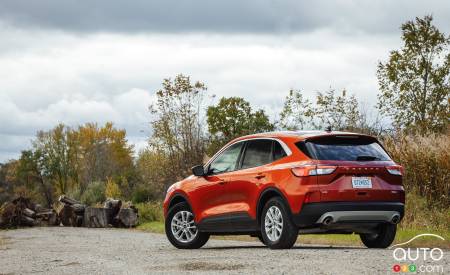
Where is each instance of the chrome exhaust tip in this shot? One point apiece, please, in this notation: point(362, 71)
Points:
point(328, 220)
point(395, 219)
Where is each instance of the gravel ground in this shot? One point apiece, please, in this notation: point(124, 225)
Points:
point(64, 250)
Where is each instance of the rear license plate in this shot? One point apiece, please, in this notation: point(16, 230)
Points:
point(361, 182)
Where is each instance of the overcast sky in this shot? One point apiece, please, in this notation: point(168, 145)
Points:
point(102, 60)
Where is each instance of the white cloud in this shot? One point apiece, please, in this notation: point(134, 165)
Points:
point(72, 79)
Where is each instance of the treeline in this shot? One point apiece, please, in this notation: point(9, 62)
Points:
point(92, 162)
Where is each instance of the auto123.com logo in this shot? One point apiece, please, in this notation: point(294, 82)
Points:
point(431, 257)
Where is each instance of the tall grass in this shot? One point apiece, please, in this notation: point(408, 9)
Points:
point(150, 212)
point(426, 160)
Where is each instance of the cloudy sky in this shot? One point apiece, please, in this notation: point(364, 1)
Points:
point(102, 60)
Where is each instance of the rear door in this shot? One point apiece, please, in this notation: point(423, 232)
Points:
point(360, 169)
point(242, 187)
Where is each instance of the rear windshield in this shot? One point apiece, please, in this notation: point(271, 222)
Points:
point(347, 148)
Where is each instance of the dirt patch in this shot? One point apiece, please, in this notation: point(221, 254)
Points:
point(203, 266)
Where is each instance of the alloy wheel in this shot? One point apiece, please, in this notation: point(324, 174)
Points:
point(273, 223)
point(183, 226)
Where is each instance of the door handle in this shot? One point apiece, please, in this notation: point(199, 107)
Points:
point(260, 176)
point(221, 181)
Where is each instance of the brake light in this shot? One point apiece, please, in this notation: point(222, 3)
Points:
point(312, 170)
point(395, 170)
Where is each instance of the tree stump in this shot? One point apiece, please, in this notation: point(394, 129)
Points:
point(96, 217)
point(127, 217)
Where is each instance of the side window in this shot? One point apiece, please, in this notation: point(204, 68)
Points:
point(227, 160)
point(278, 151)
point(257, 153)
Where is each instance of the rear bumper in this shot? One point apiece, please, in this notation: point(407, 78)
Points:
point(313, 214)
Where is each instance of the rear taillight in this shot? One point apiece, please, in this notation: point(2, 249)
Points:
point(395, 170)
point(312, 170)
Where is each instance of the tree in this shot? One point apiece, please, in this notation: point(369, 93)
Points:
point(297, 112)
point(233, 117)
point(339, 112)
point(414, 83)
point(178, 124)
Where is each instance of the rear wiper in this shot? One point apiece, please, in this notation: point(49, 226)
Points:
point(367, 158)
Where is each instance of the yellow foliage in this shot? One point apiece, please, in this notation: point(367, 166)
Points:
point(112, 189)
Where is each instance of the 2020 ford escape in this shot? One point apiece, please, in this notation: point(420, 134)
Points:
point(277, 185)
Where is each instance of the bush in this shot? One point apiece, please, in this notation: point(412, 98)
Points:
point(94, 193)
point(426, 160)
point(150, 212)
point(143, 194)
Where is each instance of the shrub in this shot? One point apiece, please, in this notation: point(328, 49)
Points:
point(143, 194)
point(112, 190)
point(150, 212)
point(94, 193)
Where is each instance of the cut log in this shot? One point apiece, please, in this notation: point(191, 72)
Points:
point(67, 216)
point(28, 212)
point(24, 220)
point(96, 217)
point(127, 217)
point(67, 200)
point(78, 208)
point(115, 206)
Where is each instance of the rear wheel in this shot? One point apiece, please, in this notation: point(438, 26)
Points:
point(277, 229)
point(181, 229)
point(382, 239)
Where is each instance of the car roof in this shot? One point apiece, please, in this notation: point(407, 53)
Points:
point(300, 135)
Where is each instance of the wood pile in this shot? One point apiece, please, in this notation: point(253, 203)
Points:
point(23, 212)
point(69, 212)
point(112, 214)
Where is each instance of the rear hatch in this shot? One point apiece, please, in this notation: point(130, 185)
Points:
point(353, 168)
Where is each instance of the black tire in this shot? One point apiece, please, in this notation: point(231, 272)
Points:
point(382, 239)
point(261, 239)
point(200, 239)
point(289, 231)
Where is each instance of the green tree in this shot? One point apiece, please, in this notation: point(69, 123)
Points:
point(340, 112)
point(233, 117)
point(178, 124)
point(297, 112)
point(414, 82)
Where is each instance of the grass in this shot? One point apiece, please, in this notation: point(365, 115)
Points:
point(403, 235)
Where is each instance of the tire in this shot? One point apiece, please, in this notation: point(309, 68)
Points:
point(289, 232)
point(382, 239)
point(184, 221)
point(261, 239)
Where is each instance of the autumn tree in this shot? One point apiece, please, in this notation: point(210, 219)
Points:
point(414, 82)
point(178, 126)
point(233, 117)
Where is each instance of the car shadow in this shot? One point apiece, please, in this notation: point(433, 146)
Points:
point(295, 247)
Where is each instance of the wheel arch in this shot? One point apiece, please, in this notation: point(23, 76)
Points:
point(177, 198)
point(265, 196)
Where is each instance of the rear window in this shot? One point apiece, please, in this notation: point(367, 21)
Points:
point(346, 148)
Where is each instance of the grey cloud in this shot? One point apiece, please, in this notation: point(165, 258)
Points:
point(233, 16)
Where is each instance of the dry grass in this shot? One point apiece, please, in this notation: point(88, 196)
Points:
point(427, 165)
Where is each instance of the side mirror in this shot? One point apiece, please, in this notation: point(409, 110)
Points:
point(198, 171)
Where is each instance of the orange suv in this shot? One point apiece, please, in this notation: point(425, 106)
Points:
point(277, 185)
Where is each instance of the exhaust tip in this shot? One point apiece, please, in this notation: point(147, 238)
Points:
point(328, 220)
point(395, 219)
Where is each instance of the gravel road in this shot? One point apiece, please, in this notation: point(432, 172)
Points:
point(64, 250)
